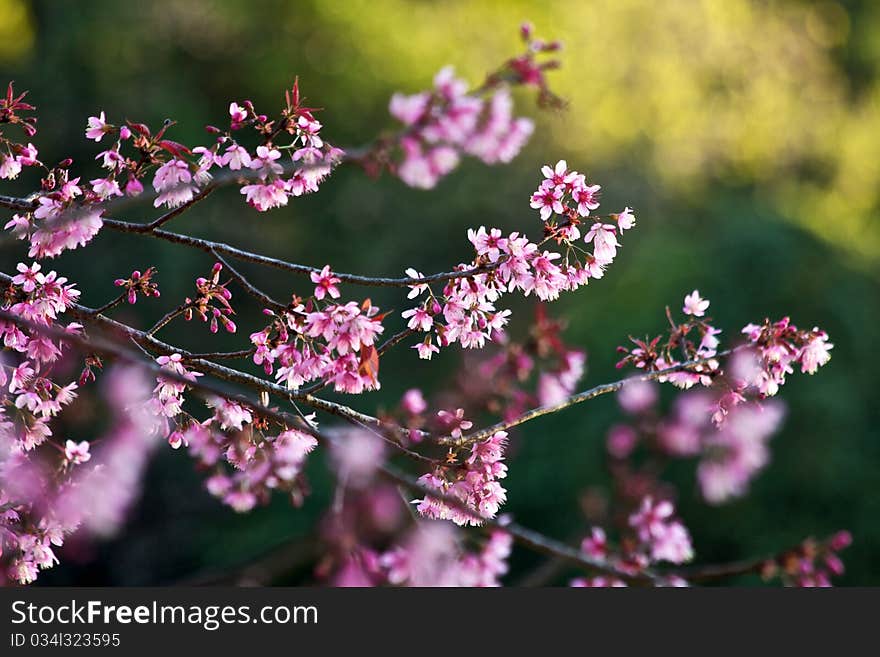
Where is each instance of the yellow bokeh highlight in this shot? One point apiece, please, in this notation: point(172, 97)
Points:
point(690, 93)
point(698, 90)
point(16, 29)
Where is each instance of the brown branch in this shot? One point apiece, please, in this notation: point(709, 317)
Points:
point(395, 339)
point(154, 345)
point(180, 209)
point(784, 559)
point(222, 355)
point(18, 204)
point(578, 398)
point(212, 247)
point(111, 304)
point(165, 320)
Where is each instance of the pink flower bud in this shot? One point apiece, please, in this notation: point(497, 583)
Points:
point(133, 187)
point(840, 540)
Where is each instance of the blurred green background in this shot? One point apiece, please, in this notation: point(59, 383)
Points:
point(745, 134)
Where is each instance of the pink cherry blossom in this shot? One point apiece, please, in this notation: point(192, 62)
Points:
point(173, 182)
point(265, 196)
point(97, 127)
point(548, 199)
point(237, 114)
point(325, 283)
point(426, 349)
point(28, 277)
point(77, 453)
point(625, 220)
point(695, 305)
point(10, 167)
point(604, 239)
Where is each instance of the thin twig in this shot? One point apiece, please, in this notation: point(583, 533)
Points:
point(212, 247)
point(180, 209)
point(166, 319)
point(111, 304)
point(222, 355)
point(578, 398)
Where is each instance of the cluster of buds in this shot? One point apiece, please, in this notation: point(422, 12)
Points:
point(693, 339)
point(139, 283)
point(528, 69)
point(212, 302)
point(811, 564)
point(173, 178)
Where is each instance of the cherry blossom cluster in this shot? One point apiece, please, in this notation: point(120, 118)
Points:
point(167, 399)
point(730, 452)
point(727, 426)
point(311, 159)
point(693, 339)
point(465, 311)
point(655, 536)
point(430, 553)
point(66, 217)
point(775, 349)
point(443, 124)
point(432, 556)
point(565, 200)
point(313, 341)
point(68, 213)
point(246, 458)
point(451, 121)
point(179, 176)
point(781, 347)
point(371, 514)
point(247, 463)
point(39, 298)
point(473, 482)
point(59, 487)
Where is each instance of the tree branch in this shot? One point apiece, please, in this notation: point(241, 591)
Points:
point(212, 247)
point(578, 398)
point(18, 204)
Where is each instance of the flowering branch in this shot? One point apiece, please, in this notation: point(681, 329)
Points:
point(526, 537)
point(586, 395)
